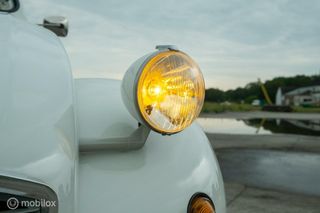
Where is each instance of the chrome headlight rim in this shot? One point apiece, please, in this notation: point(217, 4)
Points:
point(140, 71)
point(136, 85)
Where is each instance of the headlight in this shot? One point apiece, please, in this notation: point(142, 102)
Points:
point(164, 90)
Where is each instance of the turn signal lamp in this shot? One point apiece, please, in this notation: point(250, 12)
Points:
point(201, 204)
point(164, 90)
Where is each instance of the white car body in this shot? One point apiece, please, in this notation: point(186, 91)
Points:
point(45, 115)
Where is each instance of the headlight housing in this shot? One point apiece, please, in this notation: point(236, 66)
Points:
point(164, 90)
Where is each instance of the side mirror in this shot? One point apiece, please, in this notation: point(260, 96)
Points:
point(57, 24)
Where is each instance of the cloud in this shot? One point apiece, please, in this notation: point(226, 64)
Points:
point(233, 41)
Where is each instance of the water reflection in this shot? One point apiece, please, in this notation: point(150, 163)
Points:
point(260, 126)
point(299, 127)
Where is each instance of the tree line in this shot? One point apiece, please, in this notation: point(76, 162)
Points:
point(253, 91)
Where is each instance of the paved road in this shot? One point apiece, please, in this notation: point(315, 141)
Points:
point(269, 181)
point(294, 172)
point(269, 173)
point(276, 141)
point(246, 199)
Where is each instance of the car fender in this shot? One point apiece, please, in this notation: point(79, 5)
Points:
point(161, 177)
point(37, 121)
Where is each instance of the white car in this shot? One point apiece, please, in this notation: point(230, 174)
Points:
point(99, 145)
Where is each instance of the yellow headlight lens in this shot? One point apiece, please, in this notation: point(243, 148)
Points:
point(170, 91)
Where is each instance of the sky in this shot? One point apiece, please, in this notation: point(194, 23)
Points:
point(234, 42)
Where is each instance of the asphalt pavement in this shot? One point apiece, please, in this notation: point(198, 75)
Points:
point(269, 173)
point(247, 199)
point(292, 172)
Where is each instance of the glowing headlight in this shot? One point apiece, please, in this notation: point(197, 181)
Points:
point(164, 90)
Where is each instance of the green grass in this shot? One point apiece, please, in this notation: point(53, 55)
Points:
point(232, 107)
point(306, 109)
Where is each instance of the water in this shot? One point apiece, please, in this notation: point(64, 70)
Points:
point(260, 126)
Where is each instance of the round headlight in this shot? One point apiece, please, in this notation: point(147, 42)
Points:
point(168, 91)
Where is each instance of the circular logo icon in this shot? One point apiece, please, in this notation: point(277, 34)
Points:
point(12, 203)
